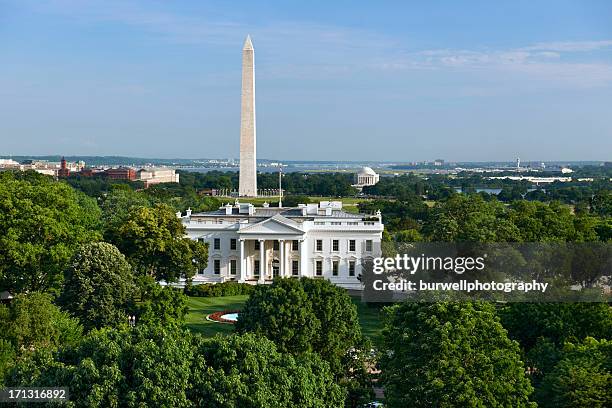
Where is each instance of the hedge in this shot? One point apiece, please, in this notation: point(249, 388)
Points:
point(219, 289)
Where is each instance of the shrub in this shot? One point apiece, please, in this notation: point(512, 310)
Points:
point(219, 289)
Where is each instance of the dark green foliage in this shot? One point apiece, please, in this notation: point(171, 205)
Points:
point(450, 355)
point(304, 315)
point(154, 242)
point(99, 286)
point(156, 366)
point(31, 323)
point(42, 222)
point(542, 329)
point(294, 200)
point(145, 366)
point(248, 372)
point(219, 289)
point(582, 377)
point(158, 304)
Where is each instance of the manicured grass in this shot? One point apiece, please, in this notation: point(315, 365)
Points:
point(370, 319)
point(200, 307)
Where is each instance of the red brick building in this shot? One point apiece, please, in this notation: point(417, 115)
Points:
point(121, 173)
point(63, 171)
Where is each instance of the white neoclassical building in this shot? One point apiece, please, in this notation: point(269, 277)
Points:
point(366, 177)
point(255, 244)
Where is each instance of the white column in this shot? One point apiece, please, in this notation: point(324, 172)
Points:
point(262, 261)
point(242, 273)
point(303, 261)
point(281, 246)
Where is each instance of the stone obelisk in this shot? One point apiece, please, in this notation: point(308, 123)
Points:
point(248, 163)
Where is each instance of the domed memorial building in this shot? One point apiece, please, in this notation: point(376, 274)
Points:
point(366, 177)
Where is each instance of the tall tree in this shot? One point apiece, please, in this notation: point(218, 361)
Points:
point(42, 222)
point(153, 239)
point(302, 316)
point(582, 378)
point(449, 355)
point(248, 371)
point(99, 286)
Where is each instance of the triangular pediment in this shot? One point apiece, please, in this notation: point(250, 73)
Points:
point(275, 225)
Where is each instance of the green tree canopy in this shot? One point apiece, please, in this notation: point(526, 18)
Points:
point(582, 378)
point(99, 286)
point(160, 304)
point(247, 371)
point(156, 366)
point(42, 222)
point(153, 239)
point(30, 323)
point(451, 355)
point(302, 316)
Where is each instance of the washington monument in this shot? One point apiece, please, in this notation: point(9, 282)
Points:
point(248, 158)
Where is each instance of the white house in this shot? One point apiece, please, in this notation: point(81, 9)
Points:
point(255, 244)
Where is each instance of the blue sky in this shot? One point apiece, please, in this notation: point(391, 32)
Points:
point(361, 80)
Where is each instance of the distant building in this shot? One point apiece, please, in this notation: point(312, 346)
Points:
point(157, 175)
point(366, 177)
point(213, 192)
point(63, 171)
point(518, 162)
point(566, 170)
point(121, 173)
point(438, 162)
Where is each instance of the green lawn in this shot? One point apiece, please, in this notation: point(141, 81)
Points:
point(200, 307)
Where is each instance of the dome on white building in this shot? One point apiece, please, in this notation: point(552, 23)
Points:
point(367, 171)
point(366, 177)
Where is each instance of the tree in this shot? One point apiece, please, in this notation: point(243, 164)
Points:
point(140, 367)
point(450, 354)
point(156, 366)
point(32, 321)
point(582, 378)
point(543, 328)
point(469, 218)
point(99, 286)
point(248, 371)
point(153, 239)
point(302, 316)
point(160, 304)
point(294, 200)
point(42, 222)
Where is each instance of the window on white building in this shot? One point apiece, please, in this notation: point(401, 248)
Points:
point(335, 267)
point(257, 245)
point(217, 266)
point(351, 268)
point(295, 268)
point(319, 268)
point(256, 268)
point(335, 245)
point(217, 243)
point(319, 246)
point(368, 244)
point(295, 245)
point(233, 244)
point(233, 266)
point(352, 245)
point(276, 245)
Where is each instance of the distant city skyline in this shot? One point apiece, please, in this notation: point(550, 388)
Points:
point(377, 81)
